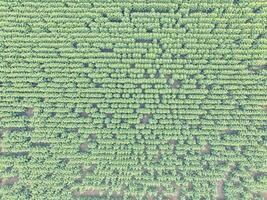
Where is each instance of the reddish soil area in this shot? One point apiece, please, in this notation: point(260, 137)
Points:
point(96, 193)
point(9, 181)
point(90, 193)
point(206, 149)
point(264, 194)
point(220, 190)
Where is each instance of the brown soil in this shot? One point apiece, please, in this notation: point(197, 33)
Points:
point(160, 189)
point(117, 194)
point(220, 184)
point(173, 197)
point(190, 185)
point(149, 197)
point(88, 169)
point(264, 194)
point(96, 193)
point(9, 181)
point(219, 188)
point(206, 149)
point(90, 193)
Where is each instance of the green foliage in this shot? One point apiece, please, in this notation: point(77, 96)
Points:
point(122, 99)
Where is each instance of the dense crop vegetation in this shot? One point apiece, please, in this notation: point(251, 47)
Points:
point(133, 99)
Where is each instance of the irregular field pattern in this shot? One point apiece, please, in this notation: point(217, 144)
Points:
point(133, 99)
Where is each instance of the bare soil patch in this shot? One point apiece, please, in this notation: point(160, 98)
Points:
point(146, 118)
point(176, 84)
point(172, 142)
point(96, 193)
point(9, 181)
point(88, 169)
point(29, 112)
point(264, 107)
point(219, 189)
point(264, 194)
point(84, 114)
point(84, 147)
point(117, 194)
point(206, 149)
point(109, 115)
point(92, 137)
point(177, 192)
point(89, 192)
